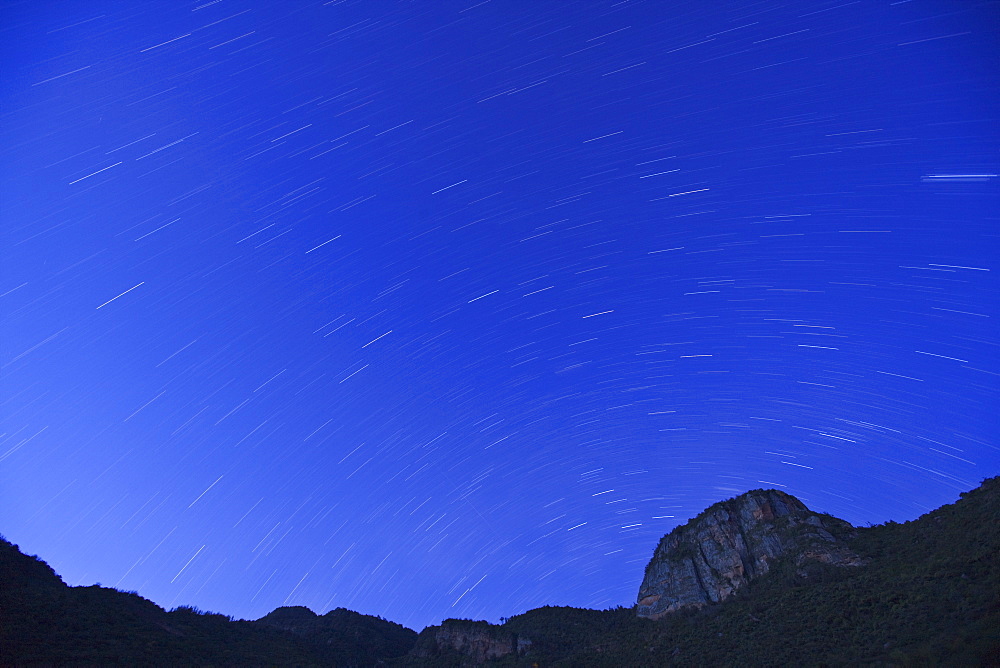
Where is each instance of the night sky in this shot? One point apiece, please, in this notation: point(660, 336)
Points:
point(453, 309)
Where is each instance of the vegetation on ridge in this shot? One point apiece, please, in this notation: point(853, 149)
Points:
point(42, 621)
point(930, 595)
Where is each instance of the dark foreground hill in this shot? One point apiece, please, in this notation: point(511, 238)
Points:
point(924, 593)
point(45, 622)
point(927, 594)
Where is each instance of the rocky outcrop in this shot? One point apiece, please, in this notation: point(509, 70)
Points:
point(735, 541)
point(480, 641)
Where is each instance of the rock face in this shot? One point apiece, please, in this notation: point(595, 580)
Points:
point(479, 641)
point(733, 542)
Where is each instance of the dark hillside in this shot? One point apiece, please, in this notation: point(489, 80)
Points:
point(930, 595)
point(43, 621)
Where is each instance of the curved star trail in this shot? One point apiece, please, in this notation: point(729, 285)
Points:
point(453, 309)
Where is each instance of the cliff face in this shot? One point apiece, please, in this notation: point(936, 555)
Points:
point(733, 542)
point(479, 641)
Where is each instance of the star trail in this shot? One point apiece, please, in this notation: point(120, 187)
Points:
point(453, 309)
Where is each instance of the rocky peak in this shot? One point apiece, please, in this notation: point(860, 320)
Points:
point(733, 542)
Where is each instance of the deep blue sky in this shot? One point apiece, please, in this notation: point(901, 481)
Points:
point(453, 309)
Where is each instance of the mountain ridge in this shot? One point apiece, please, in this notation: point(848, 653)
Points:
point(924, 591)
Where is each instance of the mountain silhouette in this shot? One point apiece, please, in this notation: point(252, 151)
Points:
point(755, 580)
